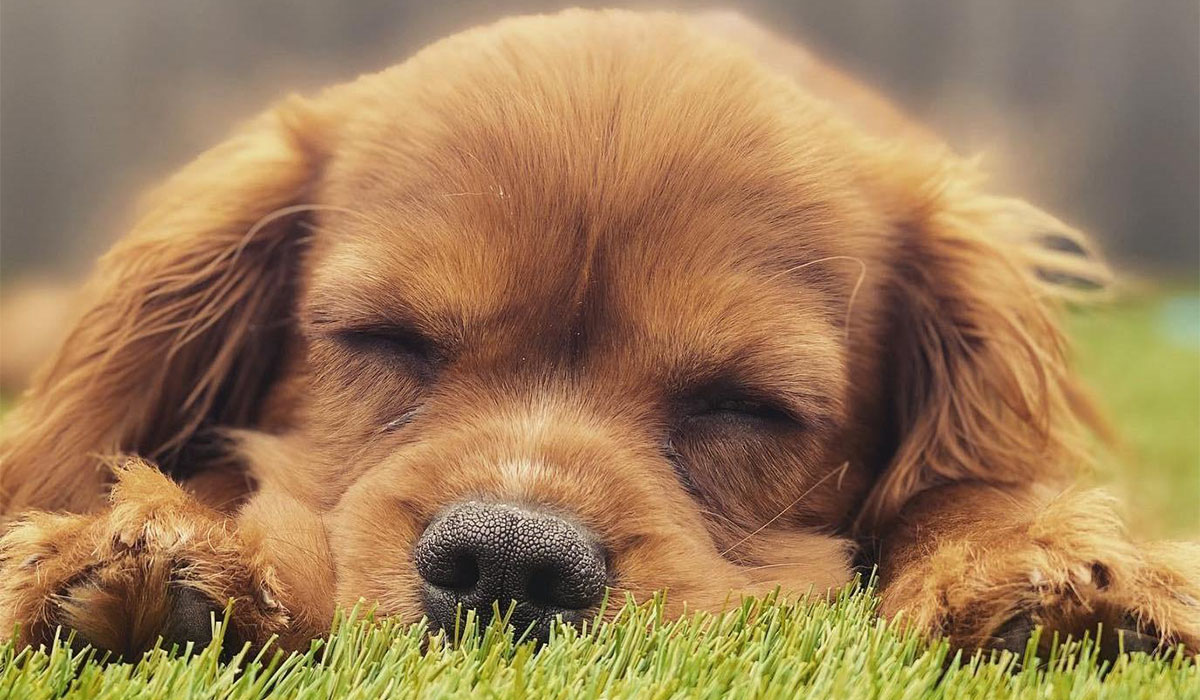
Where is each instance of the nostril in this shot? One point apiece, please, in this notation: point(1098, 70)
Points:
point(572, 582)
point(462, 574)
point(456, 571)
point(544, 587)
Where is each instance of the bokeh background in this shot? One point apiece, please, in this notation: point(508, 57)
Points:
point(1089, 108)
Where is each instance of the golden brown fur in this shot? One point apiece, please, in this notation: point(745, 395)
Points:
point(539, 261)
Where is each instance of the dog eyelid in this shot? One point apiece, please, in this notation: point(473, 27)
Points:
point(739, 403)
point(749, 408)
point(391, 340)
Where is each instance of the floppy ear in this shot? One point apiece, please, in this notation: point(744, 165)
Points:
point(980, 384)
point(185, 320)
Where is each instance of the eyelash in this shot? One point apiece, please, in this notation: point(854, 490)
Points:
point(392, 344)
point(744, 409)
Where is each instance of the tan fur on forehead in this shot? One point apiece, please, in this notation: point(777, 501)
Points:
point(543, 126)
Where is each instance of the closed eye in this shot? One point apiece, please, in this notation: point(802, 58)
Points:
point(736, 405)
point(738, 408)
point(392, 344)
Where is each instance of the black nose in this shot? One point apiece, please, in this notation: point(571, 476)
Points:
point(476, 554)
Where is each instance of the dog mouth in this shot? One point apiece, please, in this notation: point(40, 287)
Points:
point(526, 564)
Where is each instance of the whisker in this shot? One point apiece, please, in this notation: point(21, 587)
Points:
point(841, 469)
point(374, 438)
point(719, 516)
point(862, 276)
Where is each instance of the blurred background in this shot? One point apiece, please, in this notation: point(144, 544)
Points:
point(1088, 108)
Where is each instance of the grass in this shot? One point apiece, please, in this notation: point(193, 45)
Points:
point(1142, 357)
point(762, 648)
point(1147, 373)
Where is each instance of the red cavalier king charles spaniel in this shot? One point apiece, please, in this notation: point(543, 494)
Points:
point(598, 300)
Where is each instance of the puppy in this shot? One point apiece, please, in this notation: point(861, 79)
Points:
point(573, 303)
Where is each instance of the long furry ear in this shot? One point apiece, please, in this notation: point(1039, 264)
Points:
point(185, 321)
point(980, 384)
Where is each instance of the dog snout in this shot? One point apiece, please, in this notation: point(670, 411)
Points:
point(476, 555)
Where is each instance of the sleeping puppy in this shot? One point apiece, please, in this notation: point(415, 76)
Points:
point(574, 303)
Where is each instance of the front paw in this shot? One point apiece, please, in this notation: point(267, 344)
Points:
point(1069, 576)
point(155, 564)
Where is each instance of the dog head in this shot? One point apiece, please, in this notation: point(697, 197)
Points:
point(573, 302)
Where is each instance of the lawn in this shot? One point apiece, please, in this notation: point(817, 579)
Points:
point(1143, 357)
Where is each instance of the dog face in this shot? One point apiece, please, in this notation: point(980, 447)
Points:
point(636, 321)
point(598, 276)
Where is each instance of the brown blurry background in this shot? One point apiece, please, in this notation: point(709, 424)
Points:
point(1089, 108)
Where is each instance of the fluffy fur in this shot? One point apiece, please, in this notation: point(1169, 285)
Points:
point(742, 324)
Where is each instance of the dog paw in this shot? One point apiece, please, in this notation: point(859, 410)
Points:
point(1142, 606)
point(156, 564)
point(979, 596)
